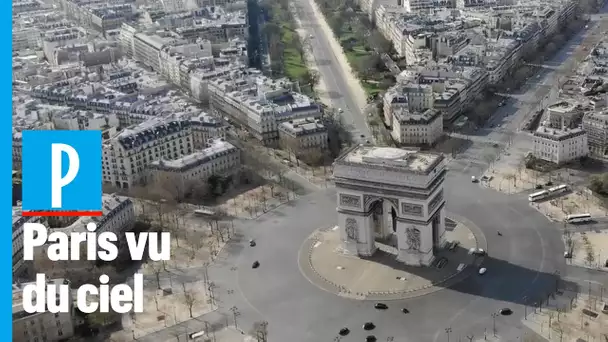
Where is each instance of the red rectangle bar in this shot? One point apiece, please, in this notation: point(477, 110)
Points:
point(62, 213)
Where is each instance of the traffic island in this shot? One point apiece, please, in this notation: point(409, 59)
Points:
point(381, 276)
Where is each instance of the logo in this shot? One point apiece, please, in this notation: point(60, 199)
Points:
point(61, 173)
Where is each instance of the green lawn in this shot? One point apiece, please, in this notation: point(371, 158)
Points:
point(295, 66)
point(371, 88)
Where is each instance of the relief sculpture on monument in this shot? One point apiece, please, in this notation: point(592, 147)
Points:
point(352, 230)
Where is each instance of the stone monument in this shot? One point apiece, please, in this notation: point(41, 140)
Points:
point(393, 196)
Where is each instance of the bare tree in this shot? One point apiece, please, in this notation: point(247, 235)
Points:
point(189, 299)
point(195, 245)
point(260, 331)
point(173, 225)
point(489, 159)
point(156, 270)
point(212, 249)
point(314, 157)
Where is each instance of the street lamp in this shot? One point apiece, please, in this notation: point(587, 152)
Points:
point(525, 300)
point(235, 314)
point(494, 315)
point(447, 332)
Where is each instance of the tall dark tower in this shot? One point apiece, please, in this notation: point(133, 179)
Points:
point(254, 43)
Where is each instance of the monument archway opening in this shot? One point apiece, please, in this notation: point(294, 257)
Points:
point(384, 222)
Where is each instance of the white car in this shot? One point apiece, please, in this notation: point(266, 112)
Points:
point(482, 271)
point(473, 179)
point(477, 251)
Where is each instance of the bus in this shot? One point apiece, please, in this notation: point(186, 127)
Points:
point(537, 196)
point(578, 218)
point(204, 211)
point(196, 335)
point(558, 189)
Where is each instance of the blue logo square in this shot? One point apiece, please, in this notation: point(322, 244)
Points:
point(61, 171)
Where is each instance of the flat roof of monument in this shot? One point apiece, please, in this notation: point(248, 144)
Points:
point(408, 159)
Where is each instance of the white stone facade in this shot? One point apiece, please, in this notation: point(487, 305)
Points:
point(560, 146)
point(390, 192)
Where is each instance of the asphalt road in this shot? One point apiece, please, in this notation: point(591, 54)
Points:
point(333, 75)
point(521, 264)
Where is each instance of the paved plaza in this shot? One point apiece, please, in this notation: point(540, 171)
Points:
point(381, 276)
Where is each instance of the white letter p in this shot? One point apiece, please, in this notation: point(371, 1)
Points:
point(58, 181)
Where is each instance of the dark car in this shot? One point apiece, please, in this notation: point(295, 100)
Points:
point(405, 311)
point(251, 243)
point(369, 326)
point(538, 186)
point(505, 312)
point(344, 332)
point(255, 264)
point(549, 183)
point(371, 338)
point(380, 306)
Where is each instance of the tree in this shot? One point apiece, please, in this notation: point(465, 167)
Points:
point(195, 245)
point(260, 331)
point(313, 157)
point(189, 299)
point(336, 22)
point(156, 270)
point(378, 42)
point(174, 224)
point(311, 77)
point(550, 48)
point(599, 184)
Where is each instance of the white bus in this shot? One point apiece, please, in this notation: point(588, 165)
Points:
point(537, 196)
point(558, 189)
point(578, 218)
point(196, 335)
point(204, 211)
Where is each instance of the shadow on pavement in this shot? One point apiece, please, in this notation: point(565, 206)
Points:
point(503, 281)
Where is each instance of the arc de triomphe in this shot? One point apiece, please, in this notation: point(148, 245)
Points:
point(394, 196)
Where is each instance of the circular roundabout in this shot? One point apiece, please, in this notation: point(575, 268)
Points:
point(302, 287)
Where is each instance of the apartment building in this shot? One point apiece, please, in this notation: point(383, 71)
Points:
point(21, 268)
point(412, 96)
point(16, 150)
point(177, 62)
point(221, 29)
point(127, 155)
point(205, 128)
point(260, 104)
point(596, 126)
point(39, 327)
point(219, 158)
point(303, 136)
point(80, 120)
point(26, 38)
point(564, 114)
point(423, 127)
point(560, 146)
